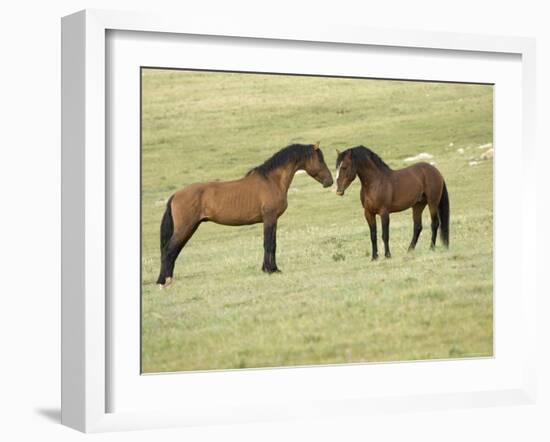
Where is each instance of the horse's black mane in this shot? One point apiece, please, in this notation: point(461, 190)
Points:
point(290, 153)
point(360, 154)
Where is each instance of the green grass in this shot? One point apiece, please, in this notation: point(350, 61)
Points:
point(330, 304)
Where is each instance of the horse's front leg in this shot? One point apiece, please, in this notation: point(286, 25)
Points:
point(386, 233)
point(371, 220)
point(270, 246)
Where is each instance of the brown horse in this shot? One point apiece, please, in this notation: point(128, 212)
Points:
point(258, 197)
point(384, 191)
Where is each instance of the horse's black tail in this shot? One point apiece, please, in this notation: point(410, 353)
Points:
point(166, 225)
point(443, 212)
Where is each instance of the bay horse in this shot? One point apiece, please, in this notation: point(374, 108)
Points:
point(384, 191)
point(259, 197)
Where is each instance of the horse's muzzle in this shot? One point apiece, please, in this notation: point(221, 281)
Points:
point(328, 183)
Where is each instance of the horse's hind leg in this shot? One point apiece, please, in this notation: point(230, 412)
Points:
point(418, 208)
point(171, 251)
point(435, 224)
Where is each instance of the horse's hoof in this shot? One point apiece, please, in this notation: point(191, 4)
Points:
point(374, 258)
point(388, 256)
point(166, 284)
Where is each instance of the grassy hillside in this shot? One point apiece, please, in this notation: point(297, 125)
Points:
point(330, 304)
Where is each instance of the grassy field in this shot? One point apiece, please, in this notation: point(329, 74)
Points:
point(330, 304)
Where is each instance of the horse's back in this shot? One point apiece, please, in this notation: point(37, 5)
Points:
point(234, 202)
point(423, 171)
point(209, 189)
point(420, 167)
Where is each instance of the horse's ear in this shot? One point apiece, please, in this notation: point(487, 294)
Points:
point(316, 145)
point(337, 152)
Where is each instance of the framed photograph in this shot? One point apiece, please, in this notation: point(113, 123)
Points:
point(270, 223)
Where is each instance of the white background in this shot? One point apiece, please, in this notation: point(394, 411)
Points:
point(191, 393)
point(30, 221)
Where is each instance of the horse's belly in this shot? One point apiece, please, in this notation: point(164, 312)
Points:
point(231, 209)
point(405, 203)
point(401, 207)
point(404, 197)
point(238, 220)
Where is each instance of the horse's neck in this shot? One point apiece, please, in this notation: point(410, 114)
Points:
point(284, 175)
point(370, 174)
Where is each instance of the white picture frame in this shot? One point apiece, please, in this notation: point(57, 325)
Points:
point(86, 356)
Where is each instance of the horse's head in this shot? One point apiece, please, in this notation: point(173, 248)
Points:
point(345, 171)
point(316, 167)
